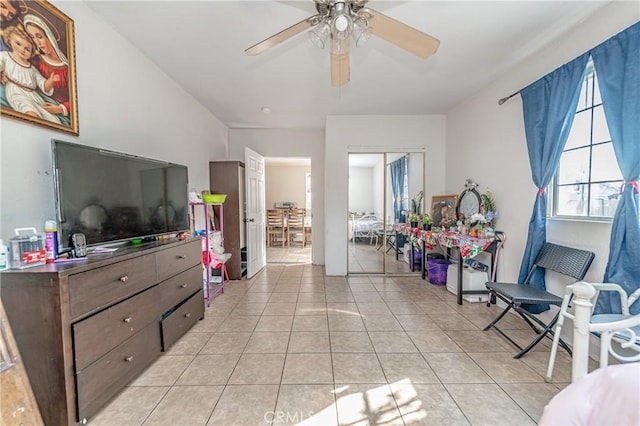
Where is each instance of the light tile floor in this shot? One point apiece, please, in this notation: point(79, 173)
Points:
point(294, 346)
point(289, 254)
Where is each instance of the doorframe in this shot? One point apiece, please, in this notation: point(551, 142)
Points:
point(313, 229)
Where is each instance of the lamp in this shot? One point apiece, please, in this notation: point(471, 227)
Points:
point(320, 34)
point(361, 31)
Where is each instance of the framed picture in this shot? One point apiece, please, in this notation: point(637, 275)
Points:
point(443, 209)
point(37, 65)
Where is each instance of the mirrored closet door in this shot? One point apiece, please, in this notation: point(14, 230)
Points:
point(383, 189)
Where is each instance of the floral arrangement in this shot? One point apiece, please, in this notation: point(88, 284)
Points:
point(426, 219)
point(413, 217)
point(416, 203)
point(488, 209)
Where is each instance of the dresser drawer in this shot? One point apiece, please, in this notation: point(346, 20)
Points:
point(101, 287)
point(176, 289)
point(182, 319)
point(98, 334)
point(177, 259)
point(106, 377)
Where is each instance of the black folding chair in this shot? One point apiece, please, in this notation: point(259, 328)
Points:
point(563, 260)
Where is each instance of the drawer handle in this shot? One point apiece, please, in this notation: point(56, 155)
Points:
point(183, 285)
point(182, 256)
point(124, 278)
point(187, 315)
point(127, 320)
point(129, 358)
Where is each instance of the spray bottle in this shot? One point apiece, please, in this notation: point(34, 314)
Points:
point(51, 240)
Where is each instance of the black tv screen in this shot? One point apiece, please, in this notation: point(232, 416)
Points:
point(111, 196)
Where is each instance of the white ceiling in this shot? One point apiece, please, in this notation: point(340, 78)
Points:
point(200, 44)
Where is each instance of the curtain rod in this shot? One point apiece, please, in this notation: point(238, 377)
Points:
point(506, 98)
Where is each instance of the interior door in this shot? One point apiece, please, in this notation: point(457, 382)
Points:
point(256, 210)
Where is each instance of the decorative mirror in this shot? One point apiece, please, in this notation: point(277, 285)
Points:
point(469, 201)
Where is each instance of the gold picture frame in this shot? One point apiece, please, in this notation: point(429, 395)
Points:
point(443, 209)
point(38, 86)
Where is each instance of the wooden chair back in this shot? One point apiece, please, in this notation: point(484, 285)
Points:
point(276, 229)
point(295, 225)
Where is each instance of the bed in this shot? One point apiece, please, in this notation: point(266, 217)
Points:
point(363, 226)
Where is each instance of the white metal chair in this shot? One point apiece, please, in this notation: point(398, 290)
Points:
point(621, 328)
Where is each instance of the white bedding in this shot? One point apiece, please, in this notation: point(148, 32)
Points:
point(607, 396)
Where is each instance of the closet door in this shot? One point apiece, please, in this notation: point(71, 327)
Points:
point(366, 213)
point(384, 188)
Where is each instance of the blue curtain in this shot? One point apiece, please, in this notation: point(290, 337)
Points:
point(617, 63)
point(549, 107)
point(398, 173)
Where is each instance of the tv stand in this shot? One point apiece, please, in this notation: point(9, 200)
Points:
point(85, 330)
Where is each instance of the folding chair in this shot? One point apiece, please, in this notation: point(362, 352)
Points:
point(563, 260)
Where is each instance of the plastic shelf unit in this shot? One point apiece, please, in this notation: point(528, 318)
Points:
point(206, 256)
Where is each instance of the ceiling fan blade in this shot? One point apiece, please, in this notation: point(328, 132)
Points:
point(340, 62)
point(402, 35)
point(283, 35)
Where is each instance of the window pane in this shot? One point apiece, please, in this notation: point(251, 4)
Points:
point(572, 200)
point(597, 100)
point(580, 133)
point(574, 166)
point(604, 199)
point(604, 165)
point(582, 101)
point(600, 129)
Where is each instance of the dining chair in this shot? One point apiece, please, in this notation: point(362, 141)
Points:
point(276, 228)
point(295, 226)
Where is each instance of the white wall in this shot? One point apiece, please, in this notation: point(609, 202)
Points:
point(306, 143)
point(490, 141)
point(361, 183)
point(344, 134)
point(125, 104)
point(286, 183)
point(378, 188)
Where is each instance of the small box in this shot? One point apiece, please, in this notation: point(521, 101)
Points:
point(27, 249)
point(472, 279)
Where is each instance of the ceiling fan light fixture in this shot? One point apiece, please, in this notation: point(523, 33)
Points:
point(339, 46)
point(320, 34)
point(361, 31)
point(342, 23)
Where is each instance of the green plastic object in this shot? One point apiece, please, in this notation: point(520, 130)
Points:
point(214, 198)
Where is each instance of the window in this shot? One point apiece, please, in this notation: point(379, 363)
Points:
point(405, 185)
point(587, 184)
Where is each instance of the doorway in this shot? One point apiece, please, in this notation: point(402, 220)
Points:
point(289, 210)
point(383, 189)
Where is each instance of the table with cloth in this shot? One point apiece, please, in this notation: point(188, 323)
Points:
point(467, 248)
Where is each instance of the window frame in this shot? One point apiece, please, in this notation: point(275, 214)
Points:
point(552, 189)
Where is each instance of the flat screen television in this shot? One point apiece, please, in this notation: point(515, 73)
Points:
point(111, 196)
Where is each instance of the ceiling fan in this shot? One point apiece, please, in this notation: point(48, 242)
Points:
point(337, 21)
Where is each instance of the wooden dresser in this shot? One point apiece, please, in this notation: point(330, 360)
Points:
point(86, 329)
